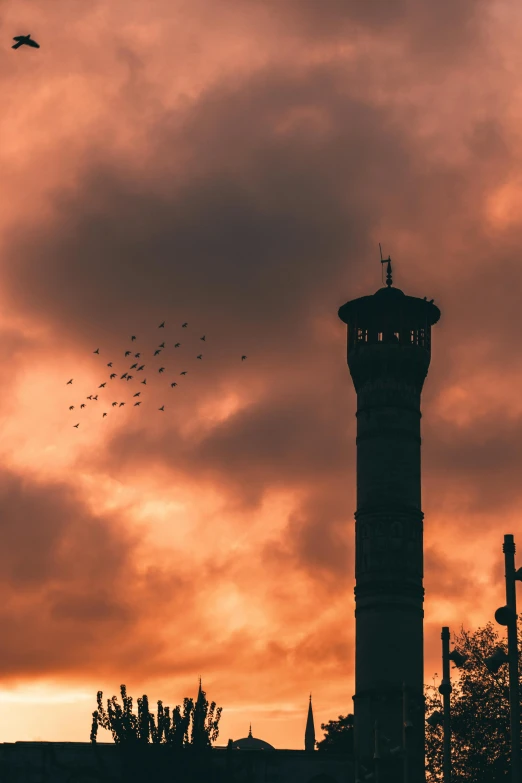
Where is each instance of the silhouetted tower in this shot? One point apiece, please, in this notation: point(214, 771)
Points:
point(389, 351)
point(310, 730)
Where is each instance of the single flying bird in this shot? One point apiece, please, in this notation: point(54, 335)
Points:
point(76, 425)
point(68, 382)
point(114, 403)
point(162, 345)
point(144, 380)
point(183, 373)
point(95, 397)
point(104, 414)
point(177, 345)
point(133, 366)
point(137, 394)
point(200, 356)
point(157, 352)
point(162, 325)
point(102, 385)
point(24, 39)
point(184, 326)
point(243, 358)
point(128, 353)
point(202, 338)
point(71, 407)
point(129, 377)
point(89, 397)
point(137, 355)
point(109, 364)
point(162, 408)
point(173, 384)
point(97, 350)
point(141, 367)
point(161, 369)
point(82, 405)
point(112, 375)
point(137, 403)
point(133, 337)
point(121, 403)
point(123, 376)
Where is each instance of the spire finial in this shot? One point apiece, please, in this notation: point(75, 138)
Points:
point(389, 281)
point(250, 731)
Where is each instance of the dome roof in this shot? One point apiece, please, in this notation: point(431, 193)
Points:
point(251, 743)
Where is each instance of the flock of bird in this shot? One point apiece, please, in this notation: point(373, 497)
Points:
point(126, 376)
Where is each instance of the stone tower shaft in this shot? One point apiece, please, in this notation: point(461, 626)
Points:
point(389, 342)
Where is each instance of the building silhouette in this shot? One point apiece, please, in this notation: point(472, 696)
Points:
point(389, 351)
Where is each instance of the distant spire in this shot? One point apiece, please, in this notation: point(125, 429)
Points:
point(250, 731)
point(310, 730)
point(389, 281)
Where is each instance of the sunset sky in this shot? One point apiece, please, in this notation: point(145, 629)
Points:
point(234, 164)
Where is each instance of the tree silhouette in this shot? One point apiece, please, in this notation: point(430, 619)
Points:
point(166, 728)
point(338, 735)
point(480, 731)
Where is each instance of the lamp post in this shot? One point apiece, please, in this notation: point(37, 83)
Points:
point(507, 615)
point(445, 689)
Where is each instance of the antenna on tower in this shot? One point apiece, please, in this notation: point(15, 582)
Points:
point(389, 269)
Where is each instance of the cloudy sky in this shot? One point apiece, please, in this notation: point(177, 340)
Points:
point(234, 164)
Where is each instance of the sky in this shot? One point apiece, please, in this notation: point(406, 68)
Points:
point(234, 164)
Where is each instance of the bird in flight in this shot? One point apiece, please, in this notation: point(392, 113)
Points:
point(157, 352)
point(24, 39)
point(123, 376)
point(137, 403)
point(89, 397)
point(129, 377)
point(104, 414)
point(173, 384)
point(177, 345)
point(162, 408)
point(71, 407)
point(184, 326)
point(96, 397)
point(127, 353)
point(141, 367)
point(133, 366)
point(137, 394)
point(162, 325)
point(137, 355)
point(162, 345)
point(200, 356)
point(68, 382)
point(161, 369)
point(109, 364)
point(102, 385)
point(76, 425)
point(97, 350)
point(133, 337)
point(82, 405)
point(114, 403)
point(144, 380)
point(243, 358)
point(183, 373)
point(112, 375)
point(121, 403)
point(202, 338)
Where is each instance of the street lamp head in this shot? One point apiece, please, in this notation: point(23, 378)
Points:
point(495, 661)
point(505, 615)
point(458, 658)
